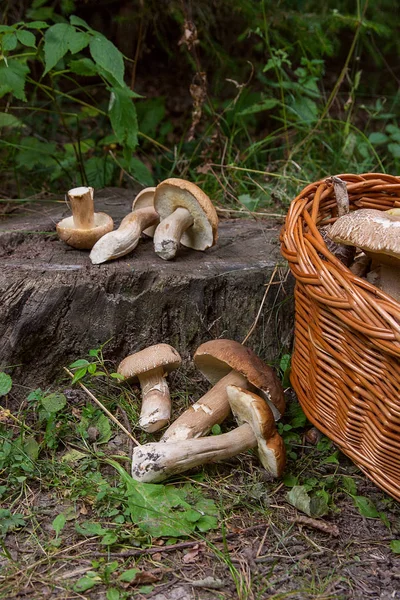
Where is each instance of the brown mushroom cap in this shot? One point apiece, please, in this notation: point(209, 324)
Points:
point(217, 358)
point(374, 231)
point(145, 199)
point(253, 410)
point(153, 357)
point(178, 193)
point(84, 239)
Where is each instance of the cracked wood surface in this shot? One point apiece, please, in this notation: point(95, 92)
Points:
point(56, 305)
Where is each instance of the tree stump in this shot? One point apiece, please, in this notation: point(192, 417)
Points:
point(56, 305)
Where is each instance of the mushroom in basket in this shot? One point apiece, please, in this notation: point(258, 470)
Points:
point(378, 234)
point(85, 227)
point(150, 366)
point(157, 461)
point(225, 362)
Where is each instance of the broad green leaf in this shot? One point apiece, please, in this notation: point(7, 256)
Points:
point(290, 480)
point(394, 149)
point(113, 594)
point(139, 171)
point(129, 575)
point(54, 402)
point(58, 523)
point(37, 25)
point(312, 506)
point(266, 104)
point(31, 448)
point(86, 583)
point(395, 546)
point(81, 362)
point(7, 28)
point(74, 20)
point(105, 54)
point(8, 120)
point(99, 171)
point(248, 201)
point(73, 456)
point(349, 485)
point(26, 38)
point(377, 138)
point(12, 78)
point(394, 132)
point(366, 507)
point(9, 42)
point(103, 425)
point(5, 384)
point(109, 538)
point(83, 66)
point(90, 528)
point(56, 41)
point(79, 374)
point(122, 113)
point(77, 40)
point(305, 109)
point(34, 153)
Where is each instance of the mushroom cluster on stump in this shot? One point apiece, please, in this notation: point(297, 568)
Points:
point(85, 227)
point(150, 367)
point(225, 362)
point(155, 462)
point(377, 233)
point(187, 217)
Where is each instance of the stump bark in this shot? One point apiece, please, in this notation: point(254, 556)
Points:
point(56, 305)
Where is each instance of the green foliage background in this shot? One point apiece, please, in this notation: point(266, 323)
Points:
point(105, 95)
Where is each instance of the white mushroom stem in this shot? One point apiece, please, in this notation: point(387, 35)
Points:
point(82, 207)
point(157, 461)
point(156, 401)
point(168, 234)
point(388, 280)
point(124, 239)
point(211, 409)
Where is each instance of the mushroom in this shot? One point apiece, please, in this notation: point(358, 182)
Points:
point(378, 234)
point(150, 366)
point(124, 239)
point(145, 199)
point(225, 362)
point(85, 227)
point(155, 462)
point(187, 217)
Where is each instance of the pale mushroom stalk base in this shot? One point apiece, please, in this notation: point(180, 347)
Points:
point(156, 401)
point(82, 206)
point(389, 280)
point(169, 232)
point(124, 239)
point(211, 409)
point(156, 461)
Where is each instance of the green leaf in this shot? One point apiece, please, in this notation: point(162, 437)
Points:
point(113, 594)
point(248, 201)
point(139, 170)
point(290, 480)
point(34, 153)
point(56, 41)
point(81, 362)
point(304, 109)
point(9, 42)
point(77, 41)
point(109, 538)
point(37, 25)
point(79, 374)
point(86, 583)
point(8, 120)
point(83, 66)
point(377, 138)
point(103, 425)
point(312, 506)
point(117, 376)
point(394, 132)
point(99, 171)
point(266, 104)
point(216, 429)
point(31, 448)
point(58, 523)
point(122, 113)
point(74, 20)
point(129, 575)
point(73, 456)
point(90, 528)
point(395, 546)
point(349, 485)
point(365, 507)
point(26, 38)
point(12, 78)
point(54, 402)
point(394, 149)
point(107, 56)
point(5, 384)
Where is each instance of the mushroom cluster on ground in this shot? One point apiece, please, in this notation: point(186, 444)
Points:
point(242, 384)
point(176, 212)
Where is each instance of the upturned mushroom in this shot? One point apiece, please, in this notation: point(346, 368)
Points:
point(378, 234)
point(151, 366)
point(187, 217)
point(85, 227)
point(124, 239)
point(145, 199)
point(157, 461)
point(225, 362)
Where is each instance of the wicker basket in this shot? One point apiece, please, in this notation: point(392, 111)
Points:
point(346, 360)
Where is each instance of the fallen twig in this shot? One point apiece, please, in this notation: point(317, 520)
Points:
point(316, 524)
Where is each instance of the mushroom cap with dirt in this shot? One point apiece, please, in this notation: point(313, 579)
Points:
point(226, 362)
point(378, 234)
point(187, 216)
point(85, 227)
point(157, 461)
point(145, 199)
point(150, 367)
